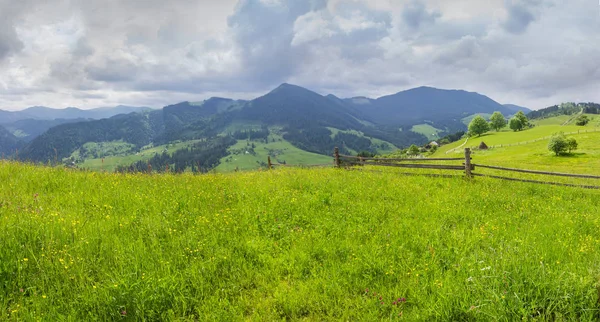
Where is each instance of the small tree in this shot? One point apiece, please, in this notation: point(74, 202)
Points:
point(582, 120)
point(571, 144)
point(478, 126)
point(524, 120)
point(497, 121)
point(558, 143)
point(515, 124)
point(413, 150)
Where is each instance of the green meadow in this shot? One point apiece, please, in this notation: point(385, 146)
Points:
point(298, 244)
point(429, 131)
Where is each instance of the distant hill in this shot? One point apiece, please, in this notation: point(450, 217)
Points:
point(29, 129)
point(442, 108)
point(568, 108)
point(516, 108)
point(302, 117)
point(8, 142)
point(307, 120)
point(47, 113)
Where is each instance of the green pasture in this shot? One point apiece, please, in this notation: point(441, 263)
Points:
point(312, 245)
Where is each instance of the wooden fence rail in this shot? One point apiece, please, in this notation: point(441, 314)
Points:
point(351, 162)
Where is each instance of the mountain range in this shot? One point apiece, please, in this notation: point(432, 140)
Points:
point(308, 120)
point(47, 113)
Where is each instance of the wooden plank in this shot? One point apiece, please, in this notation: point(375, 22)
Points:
point(571, 175)
point(535, 181)
point(414, 166)
point(400, 160)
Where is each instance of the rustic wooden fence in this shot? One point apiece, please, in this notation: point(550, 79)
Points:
point(466, 166)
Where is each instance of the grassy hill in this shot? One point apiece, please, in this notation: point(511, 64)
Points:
point(528, 148)
point(429, 131)
point(321, 244)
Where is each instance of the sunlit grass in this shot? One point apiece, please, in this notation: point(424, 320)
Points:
point(322, 244)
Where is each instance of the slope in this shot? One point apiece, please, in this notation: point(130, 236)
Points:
point(8, 142)
point(47, 113)
point(443, 108)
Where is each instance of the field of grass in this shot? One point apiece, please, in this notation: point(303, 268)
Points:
point(535, 155)
point(468, 119)
point(389, 146)
point(320, 244)
point(242, 158)
point(111, 162)
point(429, 131)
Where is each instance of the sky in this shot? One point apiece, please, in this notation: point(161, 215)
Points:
point(97, 53)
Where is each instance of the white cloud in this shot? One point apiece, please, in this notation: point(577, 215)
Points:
point(107, 52)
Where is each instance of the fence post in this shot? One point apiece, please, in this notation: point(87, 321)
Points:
point(270, 164)
point(336, 154)
point(468, 162)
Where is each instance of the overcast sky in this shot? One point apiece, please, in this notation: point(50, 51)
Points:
point(93, 53)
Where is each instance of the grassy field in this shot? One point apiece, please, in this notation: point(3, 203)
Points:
point(111, 162)
point(468, 119)
point(242, 158)
point(389, 146)
point(535, 155)
point(321, 244)
point(429, 131)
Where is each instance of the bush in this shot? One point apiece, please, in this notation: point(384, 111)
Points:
point(560, 144)
point(582, 120)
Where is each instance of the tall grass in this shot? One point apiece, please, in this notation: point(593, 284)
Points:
point(322, 244)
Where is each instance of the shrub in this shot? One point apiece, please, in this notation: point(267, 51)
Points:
point(560, 144)
point(582, 120)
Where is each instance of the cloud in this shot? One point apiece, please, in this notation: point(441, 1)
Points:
point(415, 14)
point(108, 52)
point(519, 18)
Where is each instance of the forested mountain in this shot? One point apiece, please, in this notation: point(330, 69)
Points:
point(46, 113)
point(135, 128)
point(309, 121)
point(443, 108)
point(8, 142)
point(565, 109)
point(29, 129)
point(516, 108)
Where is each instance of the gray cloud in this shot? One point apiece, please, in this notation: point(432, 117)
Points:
point(151, 52)
point(519, 18)
point(415, 14)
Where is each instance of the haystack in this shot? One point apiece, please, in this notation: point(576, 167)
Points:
point(483, 146)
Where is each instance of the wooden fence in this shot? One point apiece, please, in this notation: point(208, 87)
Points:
point(467, 167)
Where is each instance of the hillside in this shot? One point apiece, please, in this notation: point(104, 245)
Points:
point(8, 142)
point(47, 113)
point(568, 108)
point(529, 148)
point(293, 245)
point(289, 114)
point(304, 121)
point(516, 108)
point(443, 108)
point(29, 129)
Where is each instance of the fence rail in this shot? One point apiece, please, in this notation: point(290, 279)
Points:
point(351, 162)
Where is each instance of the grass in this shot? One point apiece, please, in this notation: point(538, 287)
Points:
point(321, 244)
point(378, 142)
point(242, 157)
point(468, 119)
point(429, 131)
point(111, 162)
